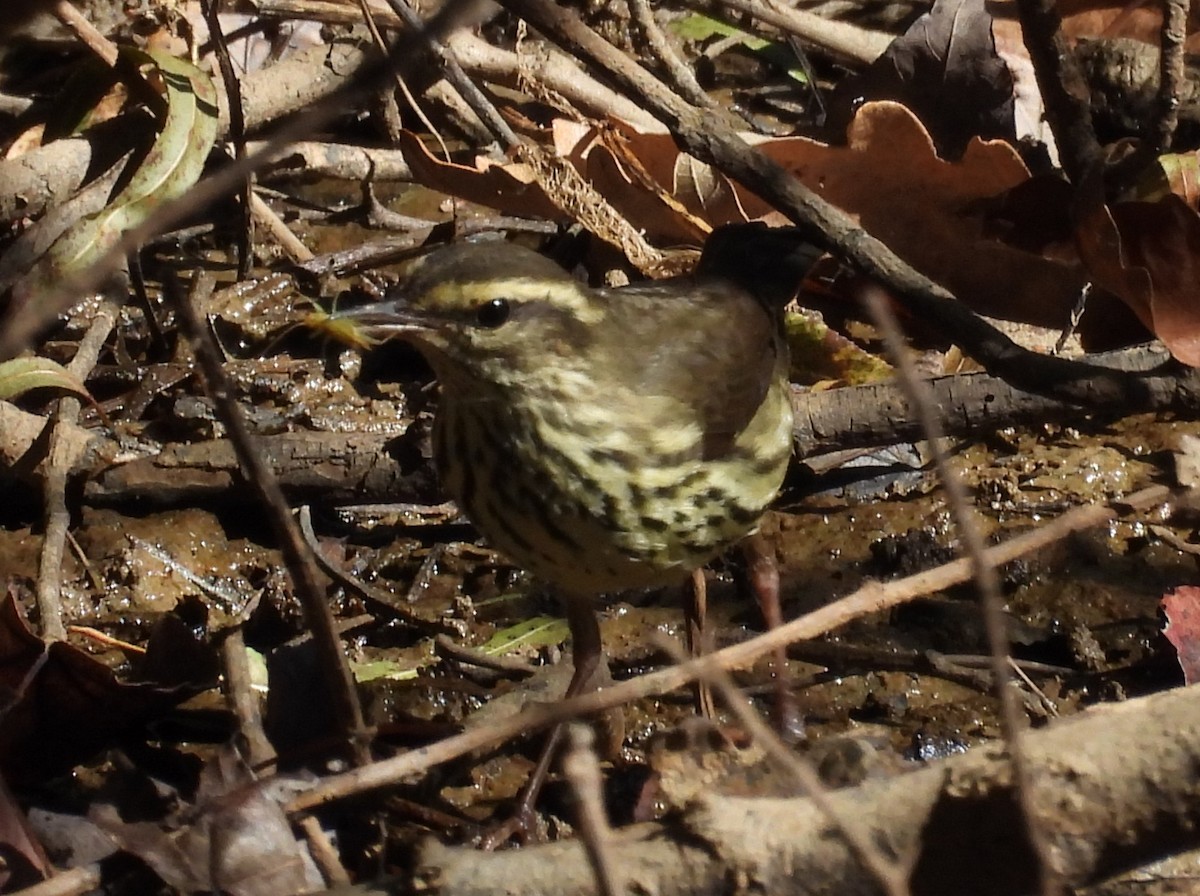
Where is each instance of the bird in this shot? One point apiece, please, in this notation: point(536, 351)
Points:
point(605, 439)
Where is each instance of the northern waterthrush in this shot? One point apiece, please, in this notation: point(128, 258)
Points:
point(605, 439)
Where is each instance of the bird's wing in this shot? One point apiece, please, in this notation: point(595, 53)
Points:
point(711, 347)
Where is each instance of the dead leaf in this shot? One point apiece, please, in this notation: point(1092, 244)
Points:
point(62, 706)
point(1148, 255)
point(1182, 609)
point(946, 70)
point(236, 839)
point(930, 212)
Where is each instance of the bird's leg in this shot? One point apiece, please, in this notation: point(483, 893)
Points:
point(591, 669)
point(762, 572)
point(695, 608)
point(591, 673)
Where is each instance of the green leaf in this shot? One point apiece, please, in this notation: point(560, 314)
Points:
point(383, 669)
point(21, 375)
point(187, 131)
point(699, 27)
point(540, 631)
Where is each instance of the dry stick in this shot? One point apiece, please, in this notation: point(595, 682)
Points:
point(16, 333)
point(275, 225)
point(871, 598)
point(401, 84)
point(447, 648)
point(239, 694)
point(458, 79)
point(706, 138)
point(75, 882)
point(261, 479)
point(849, 43)
point(1062, 85)
point(323, 852)
point(1171, 74)
point(680, 74)
point(87, 33)
point(891, 875)
point(340, 160)
point(1047, 705)
point(699, 634)
point(237, 133)
point(555, 70)
point(582, 771)
point(984, 574)
point(57, 516)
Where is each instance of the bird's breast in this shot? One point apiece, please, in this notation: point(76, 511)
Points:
point(607, 495)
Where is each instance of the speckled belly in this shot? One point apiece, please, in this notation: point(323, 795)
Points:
point(590, 517)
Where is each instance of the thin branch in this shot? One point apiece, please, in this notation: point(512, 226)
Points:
point(582, 771)
point(1062, 85)
point(57, 516)
point(661, 49)
point(454, 73)
point(260, 478)
point(1172, 74)
point(986, 582)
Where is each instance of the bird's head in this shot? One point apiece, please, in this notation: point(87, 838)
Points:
point(486, 312)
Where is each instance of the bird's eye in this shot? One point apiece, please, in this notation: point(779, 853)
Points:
point(493, 314)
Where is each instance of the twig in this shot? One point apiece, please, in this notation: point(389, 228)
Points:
point(582, 771)
point(454, 73)
point(239, 693)
point(75, 882)
point(56, 515)
point(661, 49)
point(261, 480)
point(553, 69)
point(847, 43)
point(288, 241)
point(1171, 74)
point(323, 852)
point(986, 582)
point(401, 83)
point(237, 133)
point(889, 873)
point(1062, 85)
point(447, 648)
point(87, 33)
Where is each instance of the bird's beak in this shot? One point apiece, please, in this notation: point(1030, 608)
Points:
point(383, 320)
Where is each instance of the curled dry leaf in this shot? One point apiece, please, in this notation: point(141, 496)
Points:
point(1148, 255)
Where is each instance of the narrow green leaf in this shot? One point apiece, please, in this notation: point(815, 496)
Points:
point(21, 375)
point(540, 631)
point(174, 163)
